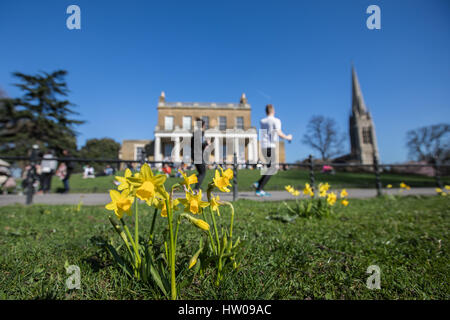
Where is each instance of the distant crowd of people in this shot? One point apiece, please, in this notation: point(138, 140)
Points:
point(48, 167)
point(43, 172)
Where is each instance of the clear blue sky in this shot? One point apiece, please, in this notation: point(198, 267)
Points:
point(294, 54)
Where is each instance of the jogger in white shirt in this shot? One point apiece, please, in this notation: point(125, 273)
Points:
point(269, 133)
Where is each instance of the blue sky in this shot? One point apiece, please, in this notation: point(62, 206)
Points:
point(296, 55)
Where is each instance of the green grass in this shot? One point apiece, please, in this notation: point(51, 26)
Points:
point(407, 238)
point(293, 177)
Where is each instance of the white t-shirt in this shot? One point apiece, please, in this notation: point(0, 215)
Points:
point(268, 132)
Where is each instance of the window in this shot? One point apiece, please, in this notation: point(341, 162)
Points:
point(168, 123)
point(206, 119)
point(222, 123)
point(187, 122)
point(367, 135)
point(239, 123)
point(168, 150)
point(140, 153)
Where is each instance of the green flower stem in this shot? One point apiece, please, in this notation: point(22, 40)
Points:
point(232, 217)
point(212, 241)
point(215, 229)
point(136, 231)
point(136, 252)
point(122, 235)
point(210, 235)
point(171, 250)
point(152, 228)
point(176, 229)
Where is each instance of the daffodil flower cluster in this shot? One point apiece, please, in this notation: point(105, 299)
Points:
point(443, 192)
point(318, 206)
point(404, 186)
point(146, 187)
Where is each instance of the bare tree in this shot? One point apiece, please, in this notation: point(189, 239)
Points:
point(428, 143)
point(323, 135)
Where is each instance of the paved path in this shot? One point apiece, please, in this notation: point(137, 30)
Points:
point(103, 198)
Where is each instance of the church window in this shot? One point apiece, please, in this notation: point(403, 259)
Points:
point(367, 135)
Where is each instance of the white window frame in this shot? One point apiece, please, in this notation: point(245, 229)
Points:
point(166, 127)
point(218, 120)
point(237, 127)
point(184, 122)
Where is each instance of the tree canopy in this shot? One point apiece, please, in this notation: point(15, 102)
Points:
point(40, 116)
point(323, 135)
point(105, 148)
point(429, 143)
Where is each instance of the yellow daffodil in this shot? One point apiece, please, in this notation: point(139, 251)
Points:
point(160, 204)
point(331, 198)
point(292, 191)
point(324, 187)
point(187, 181)
point(199, 223)
point(227, 173)
point(222, 181)
point(308, 190)
point(443, 194)
point(438, 190)
point(389, 186)
point(193, 202)
point(124, 184)
point(402, 185)
point(344, 202)
point(147, 184)
point(344, 193)
point(215, 203)
point(447, 187)
point(289, 188)
point(120, 202)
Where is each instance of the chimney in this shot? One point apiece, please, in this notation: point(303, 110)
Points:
point(162, 97)
point(243, 99)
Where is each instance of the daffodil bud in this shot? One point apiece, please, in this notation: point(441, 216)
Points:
point(194, 258)
point(199, 223)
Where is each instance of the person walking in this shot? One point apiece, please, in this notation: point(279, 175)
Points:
point(270, 131)
point(69, 166)
point(201, 166)
point(48, 168)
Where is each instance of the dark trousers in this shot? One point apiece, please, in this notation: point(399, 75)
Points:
point(46, 181)
point(66, 183)
point(267, 154)
point(201, 168)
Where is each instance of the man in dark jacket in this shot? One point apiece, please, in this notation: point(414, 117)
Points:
point(195, 149)
point(69, 168)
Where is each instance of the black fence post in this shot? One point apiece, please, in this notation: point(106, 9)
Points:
point(376, 168)
point(235, 183)
point(311, 173)
point(437, 173)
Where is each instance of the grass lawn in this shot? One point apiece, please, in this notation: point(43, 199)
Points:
point(294, 177)
point(407, 238)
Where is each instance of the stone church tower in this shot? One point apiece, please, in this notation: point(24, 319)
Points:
point(362, 130)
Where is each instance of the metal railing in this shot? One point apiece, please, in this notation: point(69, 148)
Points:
point(376, 168)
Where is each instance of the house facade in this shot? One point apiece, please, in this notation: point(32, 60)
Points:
point(228, 127)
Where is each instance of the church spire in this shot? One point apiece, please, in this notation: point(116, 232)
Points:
point(358, 104)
